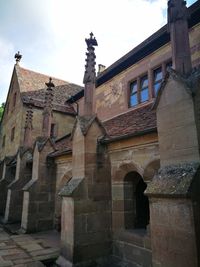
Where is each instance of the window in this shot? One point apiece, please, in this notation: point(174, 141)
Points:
point(3, 141)
point(12, 134)
point(157, 79)
point(133, 94)
point(144, 89)
point(14, 99)
point(53, 132)
point(136, 204)
point(141, 94)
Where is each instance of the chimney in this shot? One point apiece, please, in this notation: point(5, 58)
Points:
point(47, 113)
point(101, 69)
point(179, 35)
point(28, 128)
point(90, 75)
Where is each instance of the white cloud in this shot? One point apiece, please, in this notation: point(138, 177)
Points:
point(50, 33)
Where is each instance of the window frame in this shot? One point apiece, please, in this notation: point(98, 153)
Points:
point(144, 88)
point(135, 93)
point(158, 81)
point(137, 81)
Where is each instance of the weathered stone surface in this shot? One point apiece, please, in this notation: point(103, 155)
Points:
point(72, 187)
point(174, 180)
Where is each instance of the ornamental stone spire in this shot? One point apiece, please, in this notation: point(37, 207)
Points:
point(28, 128)
point(18, 57)
point(47, 113)
point(179, 35)
point(90, 75)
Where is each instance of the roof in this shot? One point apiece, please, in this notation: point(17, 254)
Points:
point(30, 80)
point(61, 93)
point(63, 146)
point(137, 121)
point(151, 44)
point(32, 89)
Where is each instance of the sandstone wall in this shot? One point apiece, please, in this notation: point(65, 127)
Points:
point(112, 97)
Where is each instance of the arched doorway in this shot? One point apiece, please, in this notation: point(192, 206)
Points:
point(136, 204)
point(58, 200)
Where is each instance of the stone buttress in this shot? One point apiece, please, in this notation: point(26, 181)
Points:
point(86, 198)
point(174, 191)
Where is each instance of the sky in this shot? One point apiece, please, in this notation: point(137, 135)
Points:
point(50, 34)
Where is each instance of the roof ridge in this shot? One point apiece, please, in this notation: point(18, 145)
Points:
point(36, 72)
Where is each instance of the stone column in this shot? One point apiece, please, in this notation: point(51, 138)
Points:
point(178, 27)
point(14, 202)
point(86, 200)
point(28, 128)
point(174, 191)
point(47, 113)
point(89, 76)
point(39, 192)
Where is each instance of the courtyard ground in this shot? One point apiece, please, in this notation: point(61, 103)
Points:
point(40, 249)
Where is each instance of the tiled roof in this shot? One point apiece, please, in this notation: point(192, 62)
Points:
point(137, 121)
point(32, 88)
point(61, 94)
point(30, 80)
point(134, 122)
point(63, 146)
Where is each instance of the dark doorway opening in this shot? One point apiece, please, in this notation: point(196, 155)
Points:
point(142, 205)
point(136, 204)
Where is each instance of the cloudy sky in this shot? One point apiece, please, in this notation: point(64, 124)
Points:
point(50, 34)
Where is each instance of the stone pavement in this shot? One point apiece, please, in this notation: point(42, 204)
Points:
point(28, 250)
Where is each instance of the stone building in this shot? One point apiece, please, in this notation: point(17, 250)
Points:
point(33, 113)
point(123, 178)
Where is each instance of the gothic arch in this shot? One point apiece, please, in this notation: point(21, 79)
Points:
point(119, 173)
point(129, 202)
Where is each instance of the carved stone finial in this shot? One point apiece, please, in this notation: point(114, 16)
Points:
point(91, 41)
point(90, 74)
point(48, 106)
point(18, 57)
point(50, 84)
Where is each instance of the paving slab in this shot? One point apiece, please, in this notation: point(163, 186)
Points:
point(28, 250)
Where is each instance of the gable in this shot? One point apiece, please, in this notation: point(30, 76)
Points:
point(13, 97)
